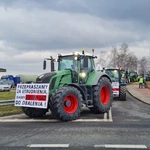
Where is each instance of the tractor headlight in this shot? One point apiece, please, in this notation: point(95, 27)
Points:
point(82, 74)
point(75, 58)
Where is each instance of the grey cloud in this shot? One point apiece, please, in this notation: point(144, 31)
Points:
point(48, 29)
point(63, 25)
point(117, 9)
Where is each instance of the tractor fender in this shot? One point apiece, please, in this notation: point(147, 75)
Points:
point(79, 88)
point(95, 77)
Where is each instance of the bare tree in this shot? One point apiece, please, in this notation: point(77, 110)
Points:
point(102, 59)
point(113, 57)
point(124, 55)
point(142, 65)
point(117, 58)
point(123, 58)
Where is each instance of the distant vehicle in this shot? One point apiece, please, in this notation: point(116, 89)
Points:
point(4, 86)
point(133, 76)
point(147, 77)
point(118, 83)
point(11, 79)
point(9, 82)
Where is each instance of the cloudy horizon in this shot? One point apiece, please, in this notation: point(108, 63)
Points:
point(31, 30)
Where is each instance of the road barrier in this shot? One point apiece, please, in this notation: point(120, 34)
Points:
point(6, 102)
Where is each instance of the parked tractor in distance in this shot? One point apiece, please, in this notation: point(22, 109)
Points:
point(75, 83)
point(133, 76)
point(118, 83)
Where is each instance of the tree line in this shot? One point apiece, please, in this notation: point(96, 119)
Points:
point(124, 58)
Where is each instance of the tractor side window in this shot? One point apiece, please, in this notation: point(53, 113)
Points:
point(90, 66)
point(87, 68)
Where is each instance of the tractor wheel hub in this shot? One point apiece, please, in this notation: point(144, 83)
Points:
point(67, 103)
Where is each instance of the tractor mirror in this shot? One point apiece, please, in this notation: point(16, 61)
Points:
point(44, 64)
point(85, 61)
point(52, 65)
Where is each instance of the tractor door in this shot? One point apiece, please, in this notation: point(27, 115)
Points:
point(86, 67)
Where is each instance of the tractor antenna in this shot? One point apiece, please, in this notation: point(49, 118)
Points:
point(93, 51)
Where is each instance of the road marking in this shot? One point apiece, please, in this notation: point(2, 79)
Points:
point(122, 146)
point(108, 116)
point(91, 120)
point(18, 118)
point(30, 120)
point(53, 120)
point(48, 145)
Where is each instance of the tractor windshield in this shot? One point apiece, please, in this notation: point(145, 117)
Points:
point(114, 74)
point(67, 62)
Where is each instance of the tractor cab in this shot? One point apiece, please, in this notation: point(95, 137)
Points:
point(79, 64)
point(114, 74)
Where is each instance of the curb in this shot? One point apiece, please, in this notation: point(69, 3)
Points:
point(137, 98)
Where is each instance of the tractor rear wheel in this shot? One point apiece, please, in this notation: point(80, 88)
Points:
point(34, 112)
point(122, 93)
point(66, 103)
point(103, 96)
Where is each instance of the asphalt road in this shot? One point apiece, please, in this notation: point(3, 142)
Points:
point(129, 128)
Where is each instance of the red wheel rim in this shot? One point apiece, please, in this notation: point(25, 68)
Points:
point(73, 103)
point(104, 95)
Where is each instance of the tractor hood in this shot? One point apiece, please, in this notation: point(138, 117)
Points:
point(45, 78)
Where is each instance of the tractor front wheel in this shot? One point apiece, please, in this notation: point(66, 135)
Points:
point(103, 96)
point(66, 103)
point(34, 112)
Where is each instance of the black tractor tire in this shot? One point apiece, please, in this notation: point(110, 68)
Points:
point(34, 112)
point(122, 93)
point(103, 96)
point(61, 98)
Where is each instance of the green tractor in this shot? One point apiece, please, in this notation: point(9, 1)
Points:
point(75, 84)
point(133, 76)
point(118, 83)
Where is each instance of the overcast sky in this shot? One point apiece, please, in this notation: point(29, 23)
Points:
point(31, 30)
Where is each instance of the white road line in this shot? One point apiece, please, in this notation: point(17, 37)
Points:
point(53, 120)
point(17, 118)
point(30, 120)
point(48, 145)
point(108, 116)
point(122, 146)
point(105, 116)
point(90, 120)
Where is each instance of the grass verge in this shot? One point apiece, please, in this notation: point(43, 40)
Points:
point(148, 83)
point(136, 83)
point(7, 95)
point(10, 109)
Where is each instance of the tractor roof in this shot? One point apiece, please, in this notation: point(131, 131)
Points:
point(112, 69)
point(79, 53)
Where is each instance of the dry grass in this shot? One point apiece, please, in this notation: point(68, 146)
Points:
point(11, 109)
point(7, 95)
point(148, 83)
point(136, 83)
